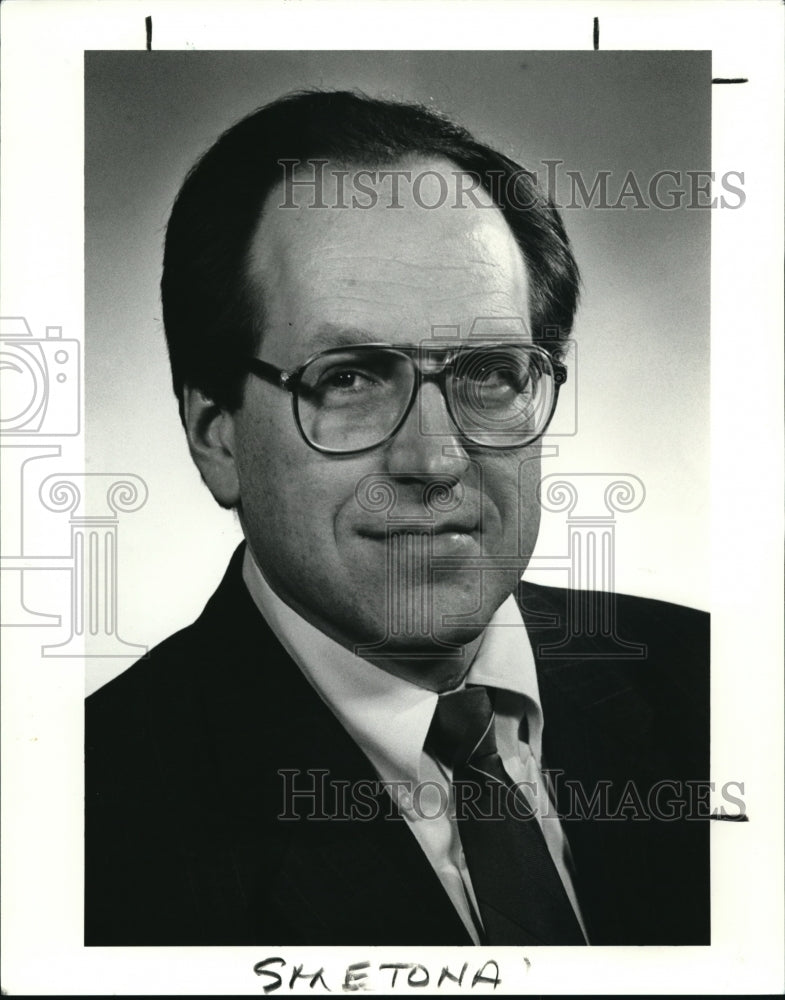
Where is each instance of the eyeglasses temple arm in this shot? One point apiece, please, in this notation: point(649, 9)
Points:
point(270, 373)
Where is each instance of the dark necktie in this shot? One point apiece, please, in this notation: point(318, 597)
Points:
point(520, 894)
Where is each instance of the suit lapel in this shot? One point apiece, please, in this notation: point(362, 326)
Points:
point(316, 880)
point(607, 734)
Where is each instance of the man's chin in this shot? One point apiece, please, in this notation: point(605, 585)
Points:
point(436, 644)
point(438, 662)
point(447, 615)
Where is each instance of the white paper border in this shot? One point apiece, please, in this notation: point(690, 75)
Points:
point(42, 120)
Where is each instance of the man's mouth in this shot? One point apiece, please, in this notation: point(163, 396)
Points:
point(447, 534)
point(457, 530)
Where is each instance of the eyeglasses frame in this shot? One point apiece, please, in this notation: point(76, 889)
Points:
point(290, 381)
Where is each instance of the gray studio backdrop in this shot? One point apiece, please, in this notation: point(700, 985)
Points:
point(640, 374)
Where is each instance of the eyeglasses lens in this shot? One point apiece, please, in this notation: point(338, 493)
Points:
point(501, 396)
point(351, 400)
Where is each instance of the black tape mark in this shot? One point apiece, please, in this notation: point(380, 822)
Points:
point(148, 27)
point(735, 79)
point(596, 34)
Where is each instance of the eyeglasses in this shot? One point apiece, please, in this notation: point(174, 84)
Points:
point(351, 399)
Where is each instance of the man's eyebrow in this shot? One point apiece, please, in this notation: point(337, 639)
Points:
point(332, 335)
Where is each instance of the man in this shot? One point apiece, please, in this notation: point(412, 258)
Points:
point(363, 738)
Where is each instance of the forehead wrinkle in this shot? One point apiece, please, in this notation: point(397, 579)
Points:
point(429, 268)
point(377, 274)
point(481, 244)
point(476, 245)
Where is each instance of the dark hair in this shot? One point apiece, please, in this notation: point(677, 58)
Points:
point(212, 324)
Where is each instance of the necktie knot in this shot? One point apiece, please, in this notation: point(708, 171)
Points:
point(462, 727)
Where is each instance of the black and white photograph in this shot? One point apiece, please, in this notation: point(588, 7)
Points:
point(368, 313)
point(374, 515)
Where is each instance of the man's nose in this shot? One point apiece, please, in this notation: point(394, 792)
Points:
point(428, 442)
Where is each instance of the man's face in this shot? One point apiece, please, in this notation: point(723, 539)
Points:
point(332, 276)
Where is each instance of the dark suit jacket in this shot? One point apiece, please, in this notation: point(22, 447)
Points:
point(183, 844)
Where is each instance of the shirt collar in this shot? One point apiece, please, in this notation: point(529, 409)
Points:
point(505, 661)
point(387, 716)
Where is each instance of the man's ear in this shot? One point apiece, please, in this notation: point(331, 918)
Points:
point(211, 440)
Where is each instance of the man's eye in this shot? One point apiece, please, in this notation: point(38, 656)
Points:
point(498, 379)
point(348, 379)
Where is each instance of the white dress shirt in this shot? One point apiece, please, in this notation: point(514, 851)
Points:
point(389, 718)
